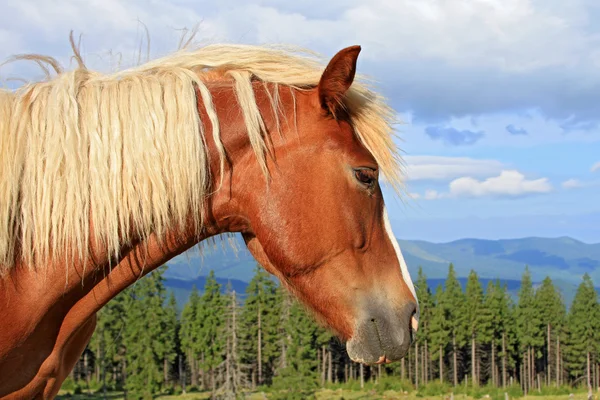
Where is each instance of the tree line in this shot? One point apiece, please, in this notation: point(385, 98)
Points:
point(219, 343)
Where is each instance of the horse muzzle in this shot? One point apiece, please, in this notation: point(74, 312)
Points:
point(383, 334)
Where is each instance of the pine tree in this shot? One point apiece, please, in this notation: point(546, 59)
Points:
point(490, 328)
point(322, 341)
point(497, 331)
point(438, 331)
point(107, 341)
point(510, 348)
point(453, 302)
point(144, 315)
point(423, 336)
point(299, 378)
point(584, 334)
point(260, 325)
point(529, 330)
point(169, 342)
point(473, 319)
point(303, 332)
point(190, 331)
point(285, 301)
point(551, 311)
point(233, 368)
point(211, 320)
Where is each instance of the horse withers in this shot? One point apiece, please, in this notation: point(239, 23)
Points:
point(105, 177)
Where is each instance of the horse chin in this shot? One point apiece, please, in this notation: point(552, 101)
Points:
point(382, 336)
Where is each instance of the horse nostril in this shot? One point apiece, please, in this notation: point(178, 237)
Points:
point(413, 323)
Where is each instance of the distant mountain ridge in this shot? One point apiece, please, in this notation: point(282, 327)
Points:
point(564, 259)
point(183, 288)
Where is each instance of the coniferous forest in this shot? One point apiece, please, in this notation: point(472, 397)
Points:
point(472, 338)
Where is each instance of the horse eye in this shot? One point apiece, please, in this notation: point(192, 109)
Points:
point(365, 177)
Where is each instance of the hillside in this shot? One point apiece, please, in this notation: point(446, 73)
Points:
point(564, 259)
point(182, 288)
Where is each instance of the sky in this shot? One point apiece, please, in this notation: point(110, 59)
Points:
point(499, 100)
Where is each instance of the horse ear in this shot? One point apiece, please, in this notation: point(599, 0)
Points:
point(337, 78)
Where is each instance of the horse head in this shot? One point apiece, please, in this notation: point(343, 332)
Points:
point(319, 222)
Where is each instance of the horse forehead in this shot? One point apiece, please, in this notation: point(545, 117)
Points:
point(331, 132)
point(339, 137)
point(301, 117)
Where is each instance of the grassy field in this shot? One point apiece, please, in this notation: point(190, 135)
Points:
point(326, 394)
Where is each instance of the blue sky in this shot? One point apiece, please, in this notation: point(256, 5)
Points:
point(500, 99)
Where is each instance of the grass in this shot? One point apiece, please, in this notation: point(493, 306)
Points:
point(327, 394)
point(387, 387)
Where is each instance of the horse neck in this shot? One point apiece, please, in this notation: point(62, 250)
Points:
point(225, 209)
point(228, 207)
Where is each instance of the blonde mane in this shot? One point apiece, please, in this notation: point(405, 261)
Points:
point(126, 153)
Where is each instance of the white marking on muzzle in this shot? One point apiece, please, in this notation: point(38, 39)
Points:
point(403, 267)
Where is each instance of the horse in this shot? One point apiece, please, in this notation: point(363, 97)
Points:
point(106, 176)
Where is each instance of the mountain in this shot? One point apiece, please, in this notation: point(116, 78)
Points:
point(182, 287)
point(229, 261)
point(564, 259)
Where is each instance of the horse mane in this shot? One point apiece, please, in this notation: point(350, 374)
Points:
point(126, 151)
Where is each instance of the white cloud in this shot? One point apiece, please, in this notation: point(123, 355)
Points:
point(511, 34)
point(531, 54)
point(595, 167)
point(572, 183)
point(577, 184)
point(429, 194)
point(432, 195)
point(509, 183)
point(106, 26)
point(447, 168)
